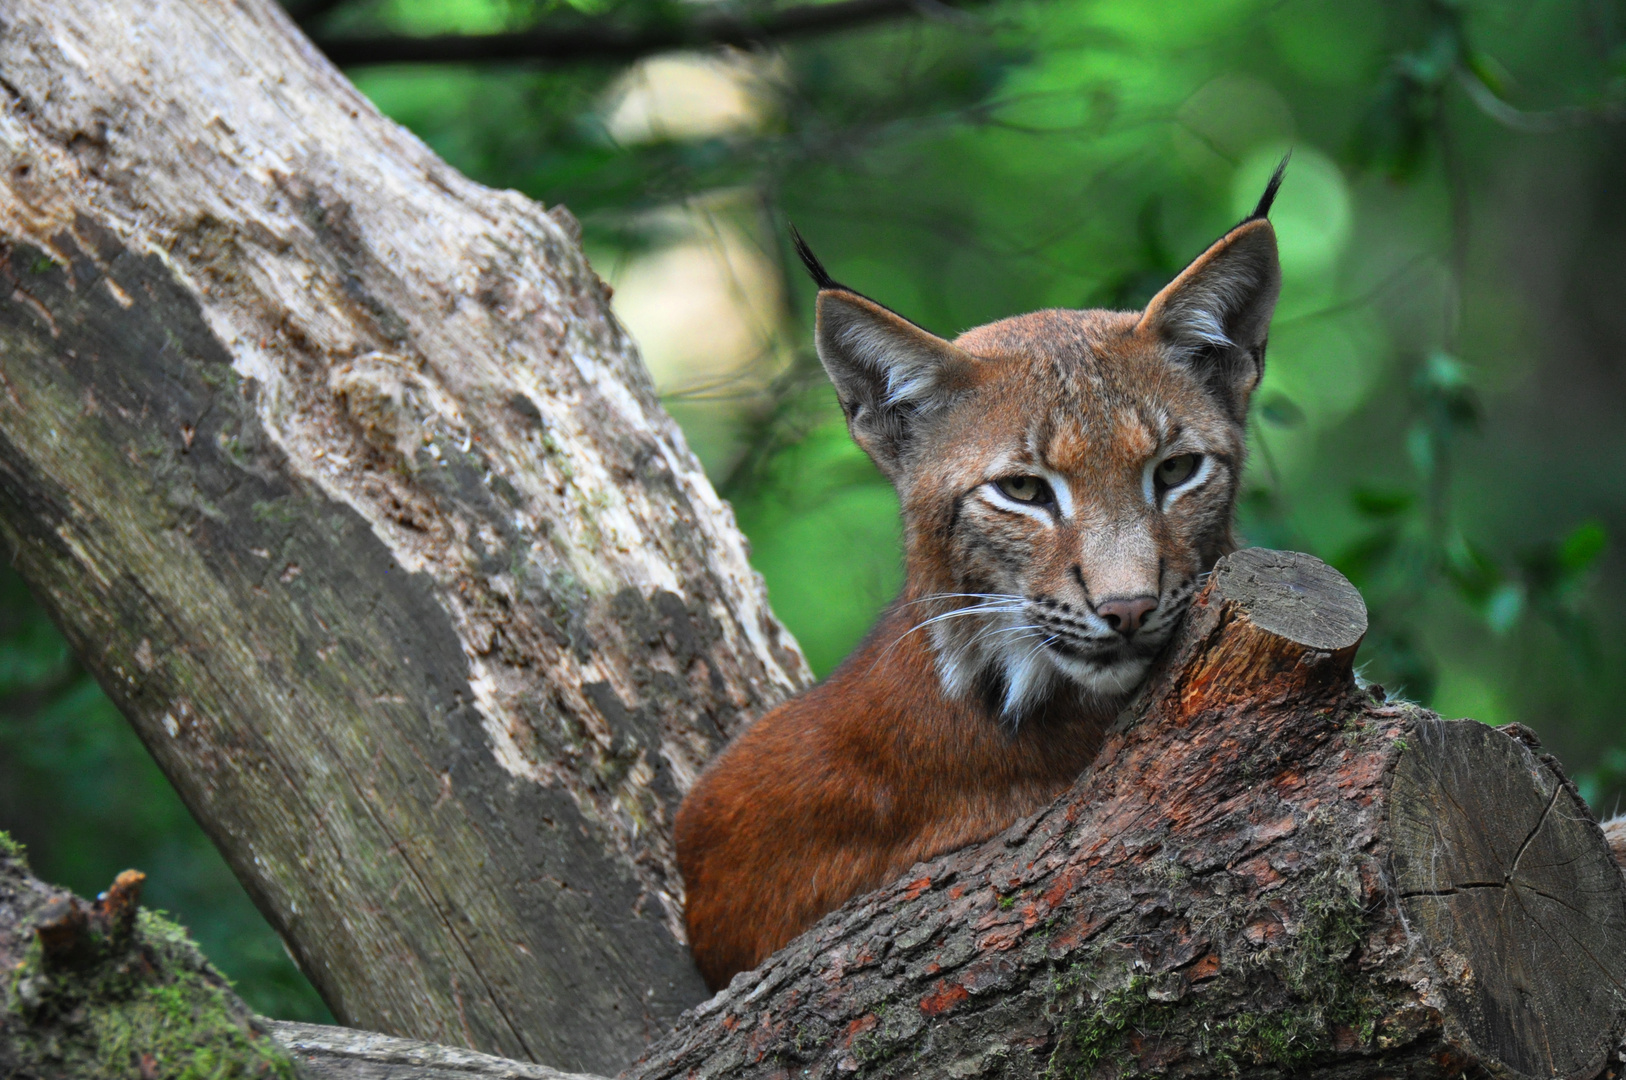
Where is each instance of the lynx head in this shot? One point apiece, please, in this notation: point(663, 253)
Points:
point(1066, 477)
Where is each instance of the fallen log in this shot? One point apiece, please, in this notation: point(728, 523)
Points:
point(1268, 870)
point(336, 1053)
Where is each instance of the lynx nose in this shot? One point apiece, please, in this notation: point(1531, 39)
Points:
point(1125, 616)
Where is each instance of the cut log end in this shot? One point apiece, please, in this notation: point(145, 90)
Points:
point(1270, 625)
point(1295, 597)
point(1509, 883)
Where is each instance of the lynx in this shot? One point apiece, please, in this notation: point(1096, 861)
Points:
point(1066, 479)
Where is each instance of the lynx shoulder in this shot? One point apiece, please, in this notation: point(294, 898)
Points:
point(1066, 478)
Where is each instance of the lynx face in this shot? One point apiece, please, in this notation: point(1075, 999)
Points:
point(1067, 505)
point(1067, 477)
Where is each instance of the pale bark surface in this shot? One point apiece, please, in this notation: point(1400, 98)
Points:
point(338, 474)
point(1267, 872)
point(335, 1053)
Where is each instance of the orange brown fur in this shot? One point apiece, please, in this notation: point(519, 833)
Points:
point(959, 715)
point(846, 787)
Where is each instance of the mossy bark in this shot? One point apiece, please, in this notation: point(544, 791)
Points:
point(337, 472)
point(1269, 871)
point(106, 991)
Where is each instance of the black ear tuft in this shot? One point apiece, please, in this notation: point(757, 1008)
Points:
point(815, 269)
point(1263, 209)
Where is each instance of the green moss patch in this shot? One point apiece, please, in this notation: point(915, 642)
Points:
point(147, 1007)
point(1276, 1006)
point(1098, 1028)
point(10, 849)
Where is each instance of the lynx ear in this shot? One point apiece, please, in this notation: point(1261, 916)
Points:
point(889, 374)
point(1215, 316)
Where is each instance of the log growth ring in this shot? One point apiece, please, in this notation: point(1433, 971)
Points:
point(1507, 879)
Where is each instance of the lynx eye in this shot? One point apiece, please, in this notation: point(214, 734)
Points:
point(1174, 471)
point(1025, 489)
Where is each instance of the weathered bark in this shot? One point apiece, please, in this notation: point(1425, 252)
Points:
point(337, 472)
point(104, 990)
point(333, 1053)
point(1267, 871)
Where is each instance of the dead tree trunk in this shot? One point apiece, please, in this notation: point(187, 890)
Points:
point(338, 474)
point(1267, 871)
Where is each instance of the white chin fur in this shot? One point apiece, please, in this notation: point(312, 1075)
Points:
point(1030, 669)
point(1109, 680)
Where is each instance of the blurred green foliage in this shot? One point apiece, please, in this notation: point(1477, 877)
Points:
point(79, 790)
point(1442, 401)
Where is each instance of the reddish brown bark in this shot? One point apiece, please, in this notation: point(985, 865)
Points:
point(1268, 870)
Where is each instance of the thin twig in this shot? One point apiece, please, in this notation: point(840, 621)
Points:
point(1539, 122)
point(308, 14)
point(616, 41)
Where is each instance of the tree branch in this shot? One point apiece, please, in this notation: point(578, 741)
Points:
point(607, 41)
point(1538, 121)
point(308, 14)
point(336, 1053)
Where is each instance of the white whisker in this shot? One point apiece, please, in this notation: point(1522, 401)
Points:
point(1009, 597)
point(991, 631)
point(958, 612)
point(990, 607)
point(1039, 646)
